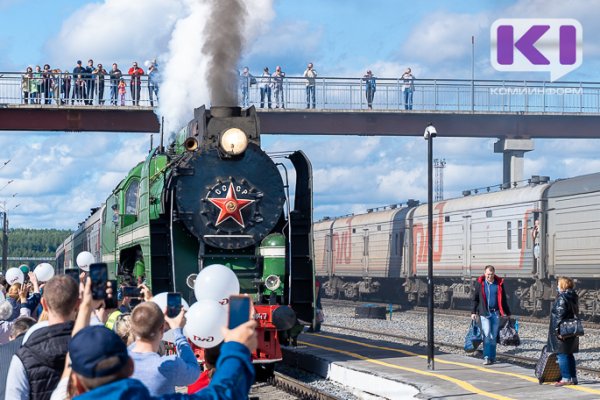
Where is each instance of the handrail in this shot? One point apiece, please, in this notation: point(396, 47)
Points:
point(336, 93)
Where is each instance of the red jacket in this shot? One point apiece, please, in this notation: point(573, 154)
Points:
point(480, 304)
point(135, 76)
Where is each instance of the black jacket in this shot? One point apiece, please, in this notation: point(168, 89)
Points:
point(7, 350)
point(480, 302)
point(43, 356)
point(565, 306)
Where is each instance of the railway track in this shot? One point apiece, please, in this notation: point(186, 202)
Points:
point(301, 389)
point(588, 325)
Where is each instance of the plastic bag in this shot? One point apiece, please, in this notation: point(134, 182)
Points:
point(508, 335)
point(320, 316)
point(473, 338)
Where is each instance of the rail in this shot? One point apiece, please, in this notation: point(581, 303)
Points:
point(332, 93)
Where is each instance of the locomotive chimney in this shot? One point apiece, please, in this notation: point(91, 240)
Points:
point(223, 111)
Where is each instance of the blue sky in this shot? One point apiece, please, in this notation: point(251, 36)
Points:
point(58, 177)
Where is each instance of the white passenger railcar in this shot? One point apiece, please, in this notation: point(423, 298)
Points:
point(531, 235)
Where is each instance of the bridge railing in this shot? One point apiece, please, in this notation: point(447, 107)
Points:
point(335, 93)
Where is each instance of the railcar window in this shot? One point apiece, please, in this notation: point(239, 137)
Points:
point(131, 197)
point(447, 218)
point(508, 235)
point(488, 214)
point(519, 234)
point(378, 227)
point(353, 230)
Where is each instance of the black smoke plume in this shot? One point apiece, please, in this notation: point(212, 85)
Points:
point(224, 33)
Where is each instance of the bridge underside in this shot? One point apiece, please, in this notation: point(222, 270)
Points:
point(310, 122)
point(88, 118)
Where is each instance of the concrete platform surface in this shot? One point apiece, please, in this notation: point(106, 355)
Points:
point(387, 370)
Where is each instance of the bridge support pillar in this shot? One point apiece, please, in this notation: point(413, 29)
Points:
point(513, 151)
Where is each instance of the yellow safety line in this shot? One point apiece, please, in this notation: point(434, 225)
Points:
point(466, 365)
point(466, 386)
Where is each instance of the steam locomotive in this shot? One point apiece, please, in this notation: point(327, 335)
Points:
point(213, 197)
point(531, 234)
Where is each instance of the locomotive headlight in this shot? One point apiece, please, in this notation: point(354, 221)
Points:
point(272, 282)
point(234, 141)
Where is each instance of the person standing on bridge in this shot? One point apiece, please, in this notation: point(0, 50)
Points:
point(28, 86)
point(90, 82)
point(370, 87)
point(408, 88)
point(265, 88)
point(99, 73)
point(310, 74)
point(115, 77)
point(153, 81)
point(277, 78)
point(489, 303)
point(246, 81)
point(79, 83)
point(136, 83)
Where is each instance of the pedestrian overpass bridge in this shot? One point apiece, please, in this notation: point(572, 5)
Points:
point(458, 108)
point(512, 111)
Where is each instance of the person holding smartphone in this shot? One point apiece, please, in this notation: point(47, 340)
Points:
point(161, 373)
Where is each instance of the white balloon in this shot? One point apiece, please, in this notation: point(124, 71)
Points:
point(161, 300)
point(2, 297)
point(205, 319)
point(216, 282)
point(84, 259)
point(44, 272)
point(14, 275)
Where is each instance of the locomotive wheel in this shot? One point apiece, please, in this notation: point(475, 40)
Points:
point(264, 372)
point(370, 311)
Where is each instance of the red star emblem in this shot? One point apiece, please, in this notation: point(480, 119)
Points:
point(230, 207)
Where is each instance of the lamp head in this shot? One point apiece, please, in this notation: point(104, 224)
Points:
point(430, 131)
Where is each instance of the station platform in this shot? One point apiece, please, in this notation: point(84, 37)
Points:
point(386, 370)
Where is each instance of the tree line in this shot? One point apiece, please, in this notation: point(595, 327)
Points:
point(35, 242)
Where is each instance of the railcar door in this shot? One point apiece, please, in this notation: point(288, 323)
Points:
point(467, 245)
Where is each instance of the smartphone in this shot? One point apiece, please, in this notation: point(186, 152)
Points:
point(131, 291)
point(239, 310)
point(134, 302)
point(173, 304)
point(99, 276)
point(111, 302)
point(73, 273)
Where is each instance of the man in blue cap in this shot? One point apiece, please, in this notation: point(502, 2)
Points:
point(103, 370)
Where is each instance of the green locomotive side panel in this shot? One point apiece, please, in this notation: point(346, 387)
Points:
point(158, 166)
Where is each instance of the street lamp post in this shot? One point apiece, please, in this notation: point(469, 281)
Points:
point(430, 133)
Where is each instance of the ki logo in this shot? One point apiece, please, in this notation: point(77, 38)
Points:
point(552, 45)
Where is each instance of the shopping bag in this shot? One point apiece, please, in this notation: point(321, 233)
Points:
point(508, 335)
point(473, 338)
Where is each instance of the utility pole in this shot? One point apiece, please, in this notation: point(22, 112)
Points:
point(4, 217)
point(439, 166)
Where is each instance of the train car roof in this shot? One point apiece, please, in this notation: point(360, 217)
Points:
point(374, 217)
point(495, 199)
point(576, 185)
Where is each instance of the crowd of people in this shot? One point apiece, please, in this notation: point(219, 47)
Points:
point(57, 342)
point(490, 305)
point(272, 84)
point(85, 85)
